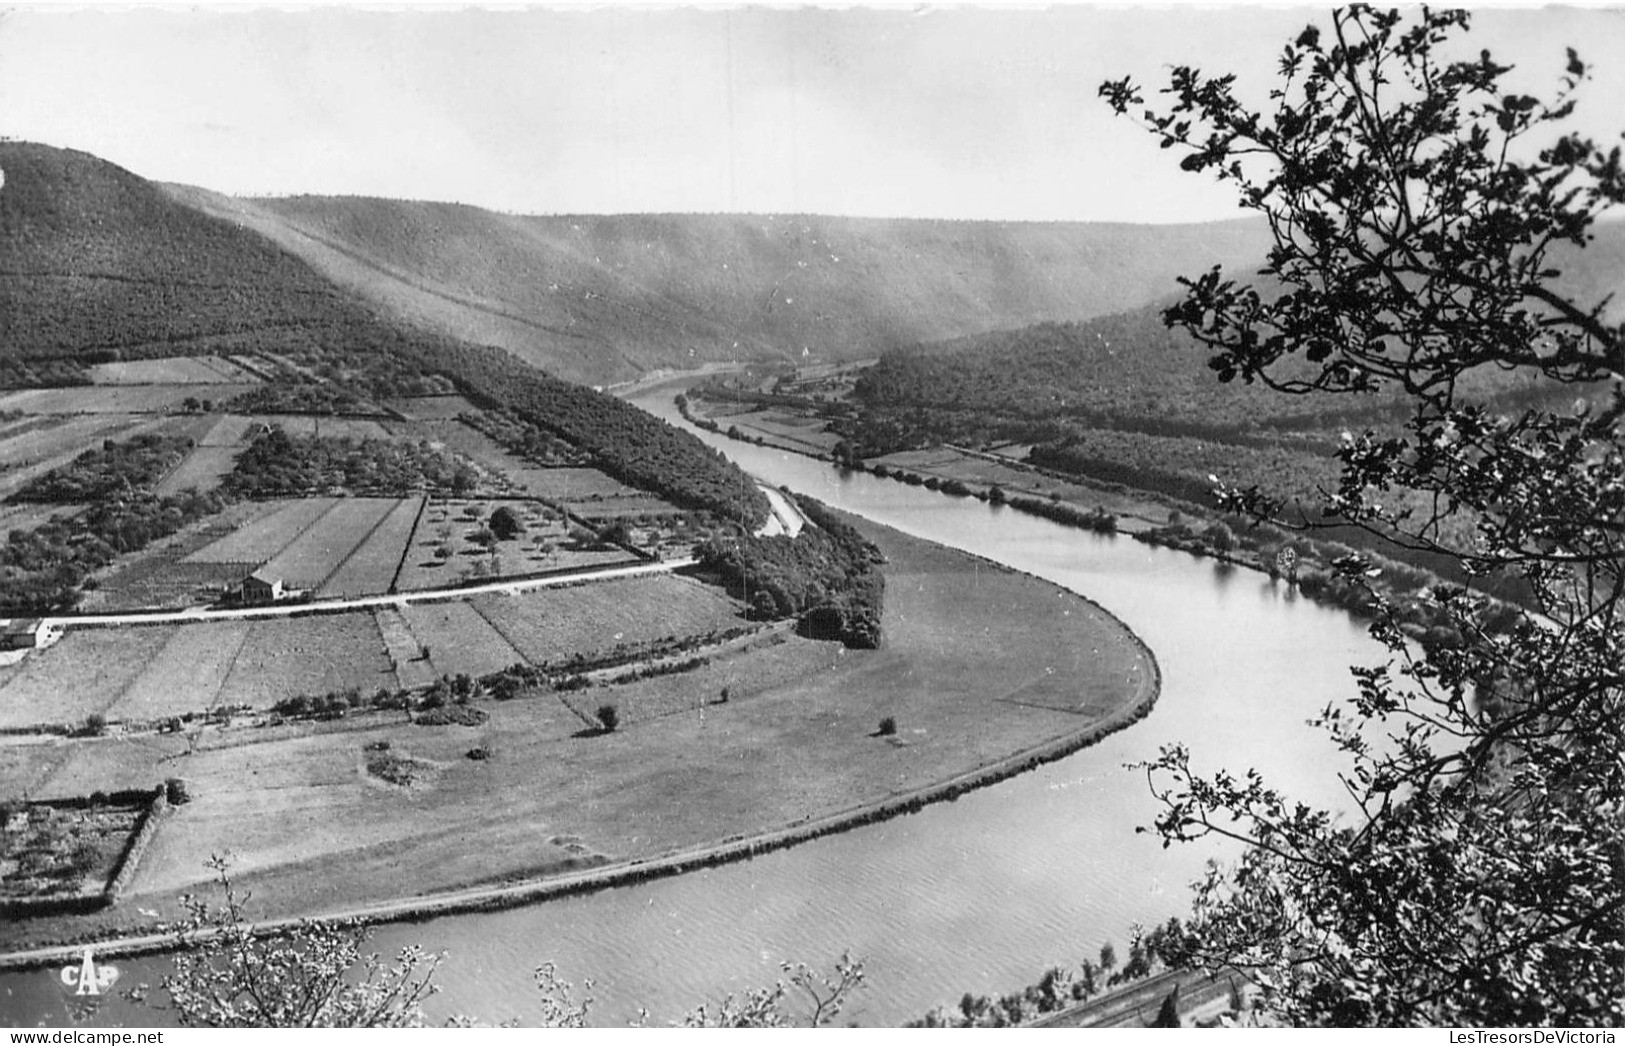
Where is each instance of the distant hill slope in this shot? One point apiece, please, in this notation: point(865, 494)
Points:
point(1129, 370)
point(95, 260)
point(603, 298)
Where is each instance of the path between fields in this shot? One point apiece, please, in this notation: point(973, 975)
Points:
point(196, 614)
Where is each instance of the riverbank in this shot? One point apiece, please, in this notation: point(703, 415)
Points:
point(986, 672)
point(1158, 520)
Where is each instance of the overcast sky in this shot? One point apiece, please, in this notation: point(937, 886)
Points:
point(926, 112)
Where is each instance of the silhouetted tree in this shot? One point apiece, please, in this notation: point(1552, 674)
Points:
point(1420, 210)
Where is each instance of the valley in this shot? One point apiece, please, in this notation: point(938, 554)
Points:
point(768, 516)
point(452, 628)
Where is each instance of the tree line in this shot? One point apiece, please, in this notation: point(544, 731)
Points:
point(828, 576)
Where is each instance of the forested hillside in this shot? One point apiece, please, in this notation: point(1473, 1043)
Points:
point(94, 263)
point(603, 298)
point(1124, 399)
point(97, 263)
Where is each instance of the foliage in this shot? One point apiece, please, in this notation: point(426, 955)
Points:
point(103, 265)
point(1159, 948)
point(525, 439)
point(506, 524)
point(43, 568)
point(1098, 520)
point(41, 373)
point(627, 443)
point(113, 469)
point(1168, 1012)
point(609, 717)
point(117, 269)
point(279, 465)
point(829, 573)
point(1417, 224)
point(314, 975)
point(821, 996)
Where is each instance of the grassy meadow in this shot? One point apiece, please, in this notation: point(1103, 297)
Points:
point(312, 829)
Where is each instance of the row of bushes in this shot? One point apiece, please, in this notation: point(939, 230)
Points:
point(504, 684)
point(1098, 520)
point(1372, 584)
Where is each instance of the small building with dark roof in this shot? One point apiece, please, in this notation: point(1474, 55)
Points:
point(23, 634)
point(260, 587)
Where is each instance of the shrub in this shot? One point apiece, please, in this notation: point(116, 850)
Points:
point(609, 718)
point(505, 524)
point(888, 727)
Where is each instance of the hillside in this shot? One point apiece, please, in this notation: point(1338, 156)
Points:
point(1129, 370)
point(97, 263)
point(94, 263)
point(604, 298)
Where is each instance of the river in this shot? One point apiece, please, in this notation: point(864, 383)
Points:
point(981, 894)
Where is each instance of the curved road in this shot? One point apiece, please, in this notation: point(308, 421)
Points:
point(785, 519)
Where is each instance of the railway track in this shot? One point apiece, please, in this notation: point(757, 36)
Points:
point(1135, 1005)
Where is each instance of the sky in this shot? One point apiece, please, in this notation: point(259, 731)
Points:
point(961, 112)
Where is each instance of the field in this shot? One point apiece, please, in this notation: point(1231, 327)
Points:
point(288, 656)
point(154, 671)
point(515, 475)
point(402, 649)
point(317, 552)
point(268, 533)
point(577, 484)
point(28, 517)
point(636, 506)
point(24, 443)
point(229, 430)
point(545, 544)
point(115, 399)
point(163, 575)
point(744, 667)
point(35, 451)
point(796, 431)
point(186, 675)
point(552, 623)
point(178, 370)
point(459, 639)
point(83, 674)
point(979, 663)
point(62, 851)
point(202, 470)
point(325, 427)
point(371, 566)
point(1134, 510)
point(432, 408)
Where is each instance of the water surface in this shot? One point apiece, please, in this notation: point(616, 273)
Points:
point(980, 894)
